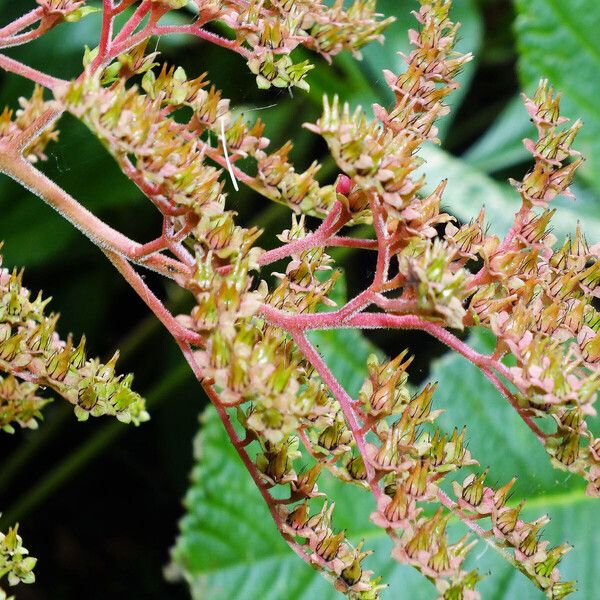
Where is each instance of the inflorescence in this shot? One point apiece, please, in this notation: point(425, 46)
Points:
point(246, 340)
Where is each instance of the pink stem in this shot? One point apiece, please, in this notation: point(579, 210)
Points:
point(125, 4)
point(196, 30)
point(151, 191)
point(134, 21)
point(240, 447)
point(14, 66)
point(383, 245)
point(332, 223)
point(475, 528)
point(396, 305)
point(106, 34)
point(21, 23)
point(152, 247)
point(214, 154)
point(28, 36)
point(348, 242)
point(104, 236)
point(173, 326)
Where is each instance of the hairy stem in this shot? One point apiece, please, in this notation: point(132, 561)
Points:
point(14, 66)
point(240, 447)
point(177, 330)
point(104, 236)
point(16, 26)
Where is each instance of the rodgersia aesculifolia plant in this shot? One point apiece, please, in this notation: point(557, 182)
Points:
point(246, 340)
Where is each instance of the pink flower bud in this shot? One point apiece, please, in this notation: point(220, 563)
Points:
point(344, 185)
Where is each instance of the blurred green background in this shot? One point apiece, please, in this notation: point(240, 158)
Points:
point(100, 502)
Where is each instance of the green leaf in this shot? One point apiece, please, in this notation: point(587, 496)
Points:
point(559, 41)
point(469, 188)
point(501, 146)
point(229, 547)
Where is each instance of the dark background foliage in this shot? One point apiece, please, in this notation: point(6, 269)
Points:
point(99, 502)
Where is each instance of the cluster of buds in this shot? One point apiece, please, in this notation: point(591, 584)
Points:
point(12, 125)
point(409, 464)
point(281, 405)
point(267, 33)
point(552, 174)
point(435, 278)
point(538, 300)
point(278, 180)
point(303, 287)
point(56, 11)
point(331, 552)
point(19, 404)
point(247, 342)
point(380, 154)
point(379, 157)
point(15, 563)
point(532, 555)
point(154, 150)
point(32, 352)
point(166, 159)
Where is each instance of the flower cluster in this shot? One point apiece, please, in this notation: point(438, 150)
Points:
point(268, 32)
point(246, 339)
point(13, 125)
point(15, 563)
point(379, 154)
point(19, 404)
point(281, 404)
point(33, 356)
point(409, 465)
point(72, 11)
point(412, 464)
point(379, 157)
point(538, 300)
point(167, 159)
point(533, 555)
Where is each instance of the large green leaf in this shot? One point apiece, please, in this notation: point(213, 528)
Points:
point(229, 547)
point(559, 40)
point(501, 146)
point(469, 189)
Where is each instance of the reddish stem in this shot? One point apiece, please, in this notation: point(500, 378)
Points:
point(196, 30)
point(22, 38)
point(348, 242)
point(104, 236)
point(180, 333)
point(106, 34)
point(125, 4)
point(14, 66)
point(21, 23)
point(334, 221)
point(383, 245)
point(134, 21)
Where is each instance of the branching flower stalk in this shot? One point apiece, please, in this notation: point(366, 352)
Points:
point(285, 412)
